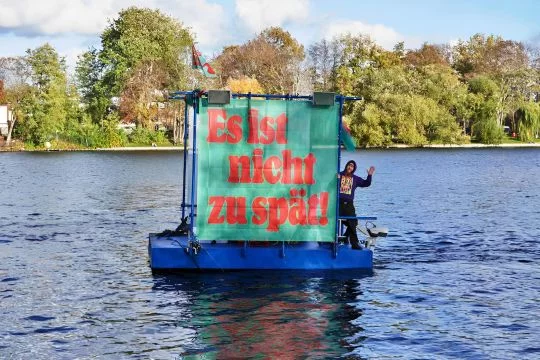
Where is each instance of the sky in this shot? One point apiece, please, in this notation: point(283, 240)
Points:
point(73, 26)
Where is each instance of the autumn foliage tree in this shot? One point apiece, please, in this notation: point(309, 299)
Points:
point(438, 93)
point(273, 58)
point(2, 92)
point(140, 94)
point(244, 85)
point(15, 73)
point(427, 54)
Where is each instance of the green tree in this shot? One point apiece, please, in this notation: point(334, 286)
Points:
point(441, 83)
point(143, 50)
point(46, 108)
point(529, 126)
point(94, 95)
point(143, 35)
point(361, 58)
point(407, 119)
point(485, 127)
point(411, 105)
point(370, 125)
point(504, 61)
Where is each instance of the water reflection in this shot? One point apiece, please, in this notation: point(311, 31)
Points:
point(457, 277)
point(267, 315)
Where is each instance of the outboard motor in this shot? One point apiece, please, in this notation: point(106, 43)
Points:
point(377, 231)
point(373, 232)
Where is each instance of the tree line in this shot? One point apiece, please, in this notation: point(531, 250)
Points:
point(473, 90)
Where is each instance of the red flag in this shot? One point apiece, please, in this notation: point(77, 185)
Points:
point(199, 62)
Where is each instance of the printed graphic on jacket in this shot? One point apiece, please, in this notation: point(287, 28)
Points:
point(346, 185)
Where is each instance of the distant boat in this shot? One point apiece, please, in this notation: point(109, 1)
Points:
point(260, 187)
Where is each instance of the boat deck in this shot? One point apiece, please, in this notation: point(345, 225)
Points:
point(173, 252)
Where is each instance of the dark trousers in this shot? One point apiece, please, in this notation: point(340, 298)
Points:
point(346, 208)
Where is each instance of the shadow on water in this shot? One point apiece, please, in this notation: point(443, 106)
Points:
point(266, 314)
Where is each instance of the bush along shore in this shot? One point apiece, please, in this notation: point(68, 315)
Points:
point(17, 146)
point(477, 90)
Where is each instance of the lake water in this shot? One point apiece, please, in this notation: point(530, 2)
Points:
point(457, 277)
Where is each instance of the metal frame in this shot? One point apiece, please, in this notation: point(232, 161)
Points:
point(191, 99)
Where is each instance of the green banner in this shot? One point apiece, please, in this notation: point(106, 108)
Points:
point(266, 171)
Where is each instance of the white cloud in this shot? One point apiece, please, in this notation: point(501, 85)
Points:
point(90, 17)
point(214, 23)
point(208, 21)
point(383, 35)
point(260, 14)
point(71, 56)
point(54, 17)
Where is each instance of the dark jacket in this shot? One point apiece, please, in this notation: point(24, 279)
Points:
point(348, 184)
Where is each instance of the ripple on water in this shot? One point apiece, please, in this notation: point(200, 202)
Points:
point(455, 278)
point(531, 350)
point(39, 318)
point(37, 238)
point(61, 329)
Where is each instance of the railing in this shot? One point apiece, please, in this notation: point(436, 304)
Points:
point(341, 219)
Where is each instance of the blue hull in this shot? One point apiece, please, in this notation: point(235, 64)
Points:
point(174, 253)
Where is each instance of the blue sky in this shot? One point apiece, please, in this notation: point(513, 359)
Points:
point(72, 26)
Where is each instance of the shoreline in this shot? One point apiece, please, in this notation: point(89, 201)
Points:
point(464, 146)
point(396, 146)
